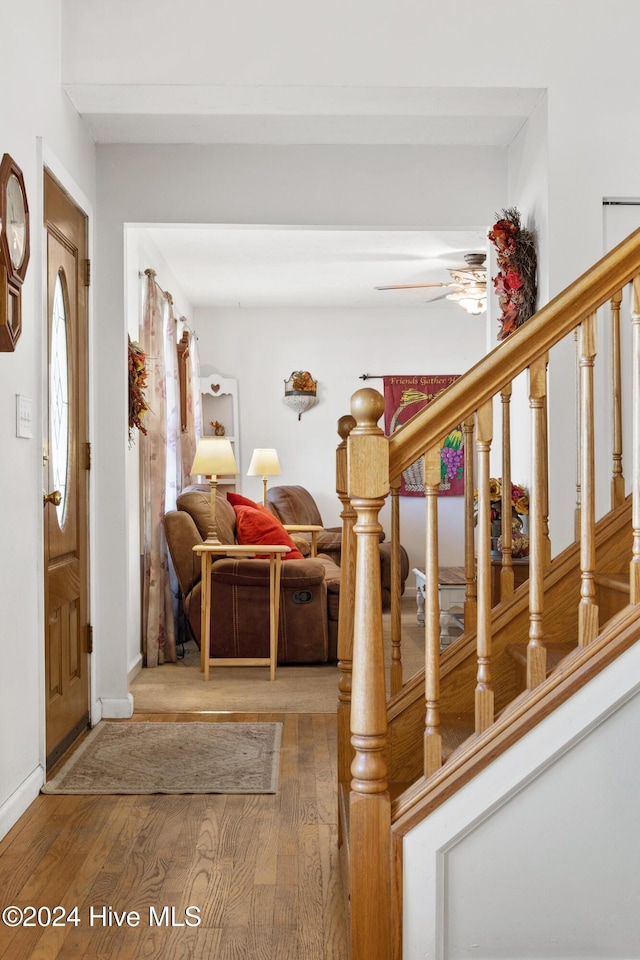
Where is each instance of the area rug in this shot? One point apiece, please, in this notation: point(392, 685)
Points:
point(181, 688)
point(145, 758)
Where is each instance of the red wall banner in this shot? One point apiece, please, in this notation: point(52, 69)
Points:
point(404, 396)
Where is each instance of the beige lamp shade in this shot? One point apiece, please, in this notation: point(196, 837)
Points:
point(264, 463)
point(214, 458)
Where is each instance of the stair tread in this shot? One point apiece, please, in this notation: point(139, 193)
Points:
point(455, 728)
point(398, 787)
point(613, 580)
point(555, 652)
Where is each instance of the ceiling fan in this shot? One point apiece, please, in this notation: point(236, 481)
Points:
point(468, 285)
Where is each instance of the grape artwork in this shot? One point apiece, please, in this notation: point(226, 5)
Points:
point(405, 396)
point(452, 461)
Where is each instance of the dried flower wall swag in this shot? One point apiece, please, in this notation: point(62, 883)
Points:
point(515, 284)
point(137, 385)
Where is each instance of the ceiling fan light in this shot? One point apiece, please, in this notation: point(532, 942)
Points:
point(473, 303)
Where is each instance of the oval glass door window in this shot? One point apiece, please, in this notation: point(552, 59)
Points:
point(59, 396)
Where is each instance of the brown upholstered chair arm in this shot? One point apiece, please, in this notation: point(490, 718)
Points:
point(302, 544)
point(330, 540)
point(182, 535)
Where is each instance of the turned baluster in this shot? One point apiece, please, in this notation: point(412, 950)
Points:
point(506, 569)
point(617, 476)
point(484, 697)
point(346, 604)
point(432, 735)
point(536, 651)
point(395, 680)
point(544, 492)
point(369, 802)
point(588, 616)
point(470, 604)
point(635, 518)
point(578, 510)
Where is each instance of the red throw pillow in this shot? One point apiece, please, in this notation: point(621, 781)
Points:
point(259, 526)
point(237, 500)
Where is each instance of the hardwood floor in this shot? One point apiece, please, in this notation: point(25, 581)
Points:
point(261, 870)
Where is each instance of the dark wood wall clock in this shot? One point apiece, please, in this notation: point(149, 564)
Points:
point(14, 250)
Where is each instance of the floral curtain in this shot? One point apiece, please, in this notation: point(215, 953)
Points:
point(159, 472)
point(194, 408)
point(172, 387)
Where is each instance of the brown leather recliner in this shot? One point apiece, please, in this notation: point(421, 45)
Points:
point(309, 591)
point(294, 505)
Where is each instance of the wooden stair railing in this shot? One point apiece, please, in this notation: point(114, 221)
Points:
point(374, 464)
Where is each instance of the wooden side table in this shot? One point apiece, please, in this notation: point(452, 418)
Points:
point(274, 553)
point(312, 528)
point(451, 589)
point(520, 574)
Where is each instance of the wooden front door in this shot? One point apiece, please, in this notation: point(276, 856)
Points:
point(65, 475)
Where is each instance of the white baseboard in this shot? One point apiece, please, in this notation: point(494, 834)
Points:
point(117, 709)
point(134, 669)
point(22, 798)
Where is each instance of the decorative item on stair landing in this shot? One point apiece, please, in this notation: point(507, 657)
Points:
point(137, 386)
point(300, 391)
point(404, 396)
point(519, 509)
point(515, 283)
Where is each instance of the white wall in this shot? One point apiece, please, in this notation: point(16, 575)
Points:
point(528, 191)
point(37, 122)
point(537, 857)
point(262, 347)
point(374, 44)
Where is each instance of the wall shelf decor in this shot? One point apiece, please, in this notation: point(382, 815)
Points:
point(219, 397)
point(300, 391)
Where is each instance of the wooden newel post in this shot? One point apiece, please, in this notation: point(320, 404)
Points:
point(346, 603)
point(369, 807)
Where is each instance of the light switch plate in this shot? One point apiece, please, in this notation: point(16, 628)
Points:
point(24, 423)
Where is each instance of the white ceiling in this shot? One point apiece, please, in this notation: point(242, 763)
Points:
point(247, 266)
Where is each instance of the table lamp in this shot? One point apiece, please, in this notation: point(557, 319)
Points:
point(214, 458)
point(264, 463)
